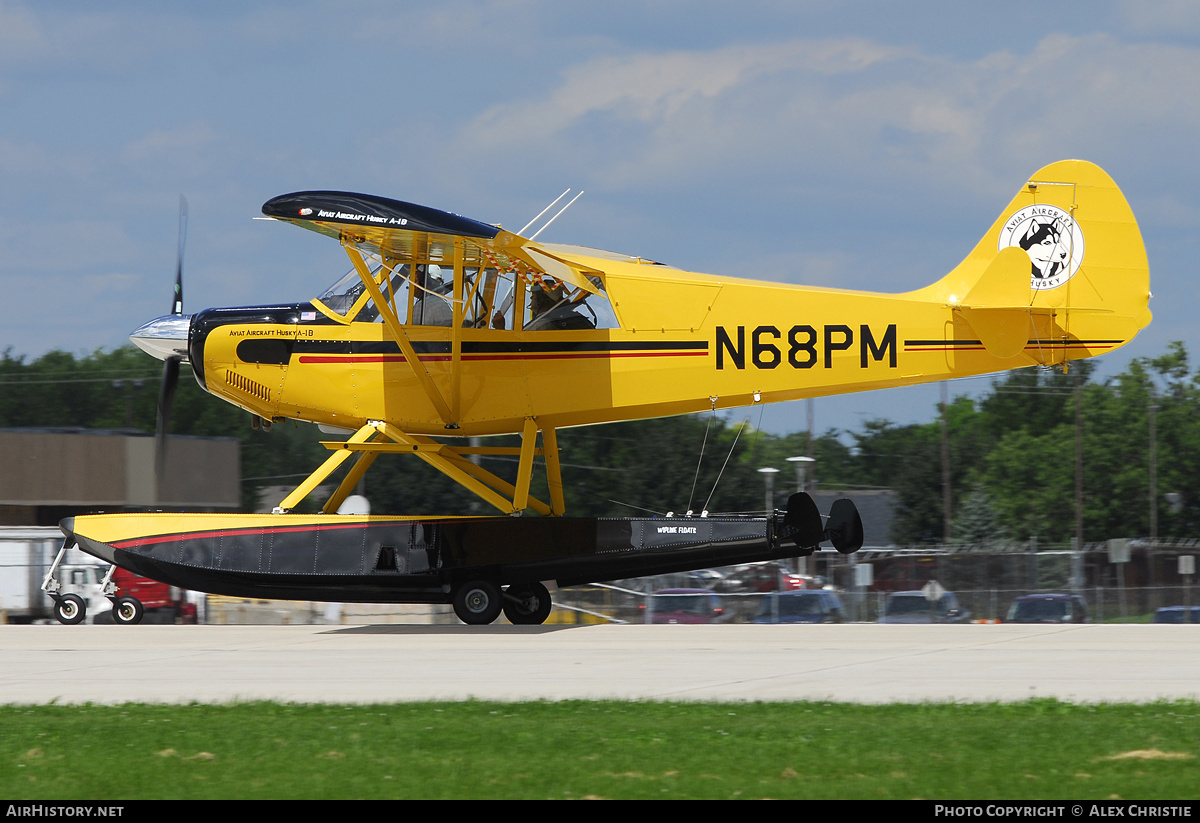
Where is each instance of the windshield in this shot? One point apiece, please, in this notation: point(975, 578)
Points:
point(1039, 610)
point(347, 293)
point(792, 605)
point(342, 295)
point(686, 603)
point(899, 604)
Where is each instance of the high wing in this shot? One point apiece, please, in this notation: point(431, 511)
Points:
point(405, 231)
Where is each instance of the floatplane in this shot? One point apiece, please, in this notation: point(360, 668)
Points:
point(447, 329)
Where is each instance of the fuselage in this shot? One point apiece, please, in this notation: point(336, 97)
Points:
point(720, 342)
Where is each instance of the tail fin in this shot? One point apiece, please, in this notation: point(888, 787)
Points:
point(1067, 254)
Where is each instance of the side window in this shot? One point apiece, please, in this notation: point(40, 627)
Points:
point(432, 285)
point(553, 306)
point(489, 299)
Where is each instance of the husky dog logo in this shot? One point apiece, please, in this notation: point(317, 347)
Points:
point(1051, 238)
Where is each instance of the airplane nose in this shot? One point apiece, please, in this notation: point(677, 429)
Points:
point(164, 337)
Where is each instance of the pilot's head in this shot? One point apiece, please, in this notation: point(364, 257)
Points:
point(543, 299)
point(429, 277)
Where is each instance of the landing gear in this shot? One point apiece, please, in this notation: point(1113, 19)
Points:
point(127, 611)
point(70, 609)
point(527, 604)
point(477, 602)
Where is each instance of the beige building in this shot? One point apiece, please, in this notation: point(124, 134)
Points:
point(52, 473)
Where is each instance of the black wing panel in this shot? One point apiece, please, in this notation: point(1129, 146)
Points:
point(366, 210)
point(407, 231)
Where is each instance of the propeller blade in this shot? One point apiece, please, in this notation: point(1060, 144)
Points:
point(166, 400)
point(177, 303)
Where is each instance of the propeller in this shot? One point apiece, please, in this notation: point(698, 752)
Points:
point(170, 375)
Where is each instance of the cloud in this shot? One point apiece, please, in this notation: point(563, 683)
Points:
point(21, 36)
point(1167, 17)
point(831, 108)
point(666, 91)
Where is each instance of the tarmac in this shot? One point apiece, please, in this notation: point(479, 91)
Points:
point(860, 663)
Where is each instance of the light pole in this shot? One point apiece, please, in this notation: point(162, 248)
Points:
point(801, 464)
point(802, 476)
point(769, 476)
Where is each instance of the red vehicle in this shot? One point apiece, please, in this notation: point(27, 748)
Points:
point(770, 576)
point(162, 603)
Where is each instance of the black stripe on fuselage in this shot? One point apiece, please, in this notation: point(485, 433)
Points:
point(304, 346)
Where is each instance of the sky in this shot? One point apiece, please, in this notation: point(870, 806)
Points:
point(863, 145)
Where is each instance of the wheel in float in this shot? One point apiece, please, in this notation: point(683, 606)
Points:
point(477, 602)
point(127, 610)
point(527, 604)
point(70, 609)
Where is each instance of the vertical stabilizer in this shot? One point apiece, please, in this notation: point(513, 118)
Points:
point(1062, 273)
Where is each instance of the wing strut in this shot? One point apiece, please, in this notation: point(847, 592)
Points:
point(378, 437)
point(393, 324)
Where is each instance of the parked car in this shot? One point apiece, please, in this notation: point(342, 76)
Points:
point(1047, 608)
point(805, 606)
point(768, 576)
point(914, 607)
point(684, 606)
point(1177, 614)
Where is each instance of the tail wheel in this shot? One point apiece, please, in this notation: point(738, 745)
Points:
point(70, 609)
point(127, 610)
point(477, 602)
point(527, 604)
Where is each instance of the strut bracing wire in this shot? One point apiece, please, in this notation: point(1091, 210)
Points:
point(732, 446)
point(703, 445)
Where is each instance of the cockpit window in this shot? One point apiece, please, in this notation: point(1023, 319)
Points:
point(423, 294)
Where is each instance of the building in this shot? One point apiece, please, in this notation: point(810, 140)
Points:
point(47, 474)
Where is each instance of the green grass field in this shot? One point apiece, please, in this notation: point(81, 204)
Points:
point(582, 749)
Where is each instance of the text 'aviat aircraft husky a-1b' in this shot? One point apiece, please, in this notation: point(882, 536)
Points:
point(447, 329)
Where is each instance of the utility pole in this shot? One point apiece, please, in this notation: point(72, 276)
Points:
point(1152, 551)
point(1077, 554)
point(1153, 408)
point(946, 501)
point(810, 479)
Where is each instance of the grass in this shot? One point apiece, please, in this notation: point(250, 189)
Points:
point(586, 749)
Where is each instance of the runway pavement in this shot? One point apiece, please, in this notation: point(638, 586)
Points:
point(359, 664)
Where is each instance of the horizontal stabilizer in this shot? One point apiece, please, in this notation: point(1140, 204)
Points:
point(844, 529)
point(803, 524)
point(997, 306)
point(1003, 332)
point(803, 521)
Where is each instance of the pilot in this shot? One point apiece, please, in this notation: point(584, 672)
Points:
point(430, 309)
point(549, 310)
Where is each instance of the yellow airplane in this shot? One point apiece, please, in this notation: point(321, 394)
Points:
point(446, 328)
